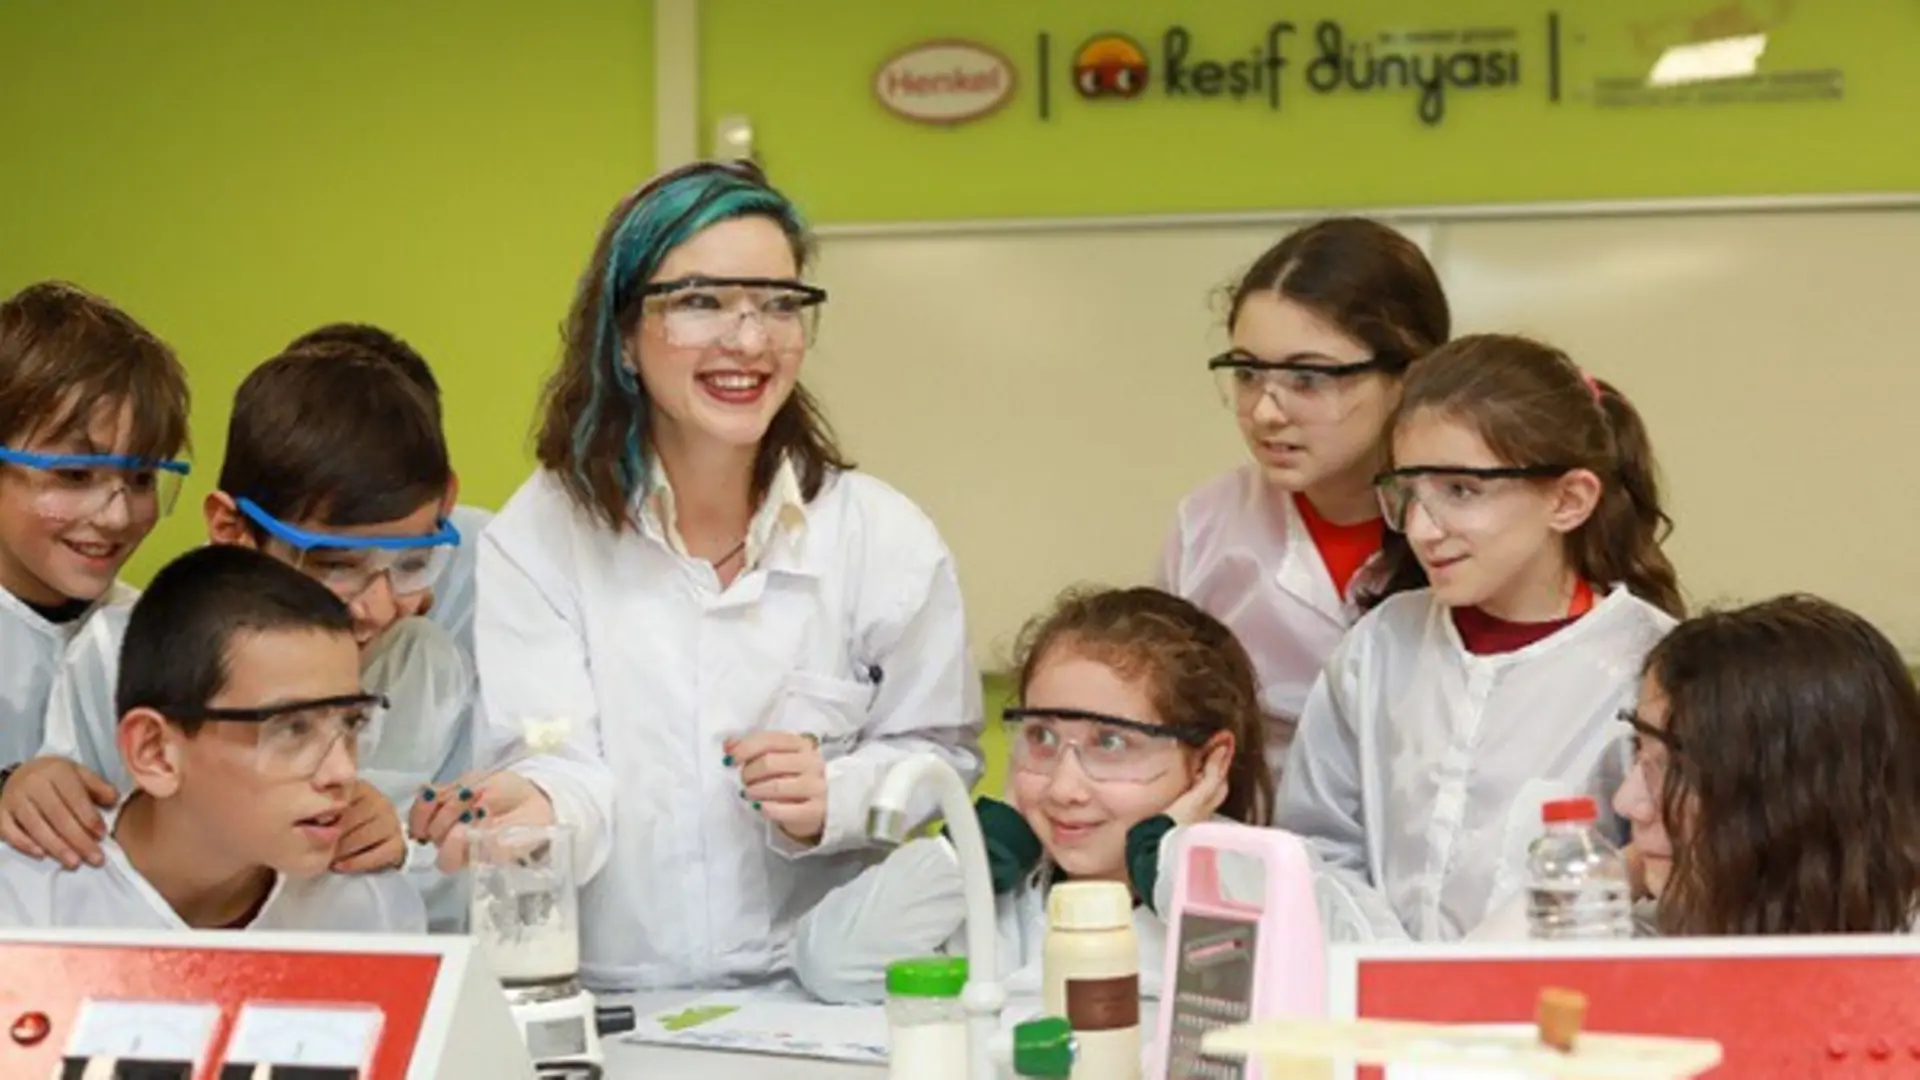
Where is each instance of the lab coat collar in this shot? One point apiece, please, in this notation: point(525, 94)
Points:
point(782, 512)
point(112, 852)
point(1302, 572)
point(1606, 609)
point(15, 608)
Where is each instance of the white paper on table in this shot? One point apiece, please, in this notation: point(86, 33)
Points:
point(769, 1023)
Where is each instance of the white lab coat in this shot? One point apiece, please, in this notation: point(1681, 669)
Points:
point(656, 665)
point(30, 649)
point(1419, 769)
point(38, 894)
point(426, 737)
point(1241, 552)
point(453, 594)
point(914, 904)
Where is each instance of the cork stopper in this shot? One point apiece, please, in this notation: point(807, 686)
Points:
point(1560, 1015)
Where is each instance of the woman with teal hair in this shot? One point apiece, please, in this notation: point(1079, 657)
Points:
point(734, 632)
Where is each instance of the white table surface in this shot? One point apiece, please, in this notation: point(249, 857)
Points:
point(634, 1061)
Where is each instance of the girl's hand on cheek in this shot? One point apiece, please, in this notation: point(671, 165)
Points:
point(1209, 790)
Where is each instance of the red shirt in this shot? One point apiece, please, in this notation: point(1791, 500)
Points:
point(1486, 635)
point(1344, 548)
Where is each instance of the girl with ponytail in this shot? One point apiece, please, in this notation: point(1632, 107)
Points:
point(1527, 491)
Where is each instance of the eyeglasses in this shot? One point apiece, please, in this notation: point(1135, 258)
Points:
point(1454, 496)
point(70, 488)
point(1108, 748)
point(349, 565)
point(1308, 393)
point(700, 311)
point(295, 737)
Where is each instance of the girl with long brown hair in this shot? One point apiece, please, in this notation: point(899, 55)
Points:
point(1288, 547)
point(1775, 786)
point(1526, 489)
point(1137, 713)
point(743, 632)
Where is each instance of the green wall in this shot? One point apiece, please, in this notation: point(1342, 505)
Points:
point(1568, 126)
point(236, 173)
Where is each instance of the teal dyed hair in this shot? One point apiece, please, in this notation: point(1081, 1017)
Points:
point(641, 233)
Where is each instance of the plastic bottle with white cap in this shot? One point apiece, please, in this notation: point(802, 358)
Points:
point(1090, 968)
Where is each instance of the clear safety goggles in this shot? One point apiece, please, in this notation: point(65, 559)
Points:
point(700, 311)
point(293, 739)
point(1456, 497)
point(1650, 751)
point(349, 565)
point(1108, 748)
point(1305, 392)
point(80, 487)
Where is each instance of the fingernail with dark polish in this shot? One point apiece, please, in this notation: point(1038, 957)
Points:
point(465, 795)
point(727, 761)
point(466, 817)
point(426, 794)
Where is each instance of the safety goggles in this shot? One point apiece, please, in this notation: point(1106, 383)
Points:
point(69, 488)
point(293, 738)
point(1306, 392)
point(1456, 497)
point(1652, 765)
point(1108, 748)
point(349, 565)
point(697, 312)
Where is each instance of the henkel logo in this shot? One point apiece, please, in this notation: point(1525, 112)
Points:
point(944, 82)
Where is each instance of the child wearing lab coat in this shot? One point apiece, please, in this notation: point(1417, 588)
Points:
point(738, 632)
point(335, 464)
point(239, 694)
point(1775, 779)
point(452, 608)
point(93, 420)
point(1288, 548)
point(1138, 713)
point(1450, 714)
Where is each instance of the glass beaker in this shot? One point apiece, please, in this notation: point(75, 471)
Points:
point(526, 908)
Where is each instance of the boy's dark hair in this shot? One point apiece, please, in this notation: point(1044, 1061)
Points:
point(174, 655)
point(66, 353)
point(381, 343)
point(334, 435)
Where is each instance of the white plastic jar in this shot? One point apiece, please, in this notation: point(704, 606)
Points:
point(1090, 968)
point(926, 1021)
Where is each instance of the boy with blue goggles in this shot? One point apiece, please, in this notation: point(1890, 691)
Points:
point(350, 565)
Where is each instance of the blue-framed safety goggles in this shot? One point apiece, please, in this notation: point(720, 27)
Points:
point(80, 487)
point(349, 565)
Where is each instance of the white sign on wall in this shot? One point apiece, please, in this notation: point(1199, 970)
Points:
point(944, 82)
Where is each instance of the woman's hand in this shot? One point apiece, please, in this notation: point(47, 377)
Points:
point(370, 836)
point(51, 809)
point(501, 798)
point(785, 778)
point(1209, 789)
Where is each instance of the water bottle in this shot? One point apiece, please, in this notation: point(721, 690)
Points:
point(1577, 886)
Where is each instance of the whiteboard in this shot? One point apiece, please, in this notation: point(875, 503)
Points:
point(1042, 394)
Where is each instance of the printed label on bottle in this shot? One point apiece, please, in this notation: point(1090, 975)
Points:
point(1103, 1004)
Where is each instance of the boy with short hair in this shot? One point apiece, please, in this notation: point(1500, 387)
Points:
point(453, 593)
point(335, 465)
point(241, 706)
point(93, 423)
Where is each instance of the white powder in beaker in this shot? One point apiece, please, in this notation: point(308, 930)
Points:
point(537, 955)
point(526, 925)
